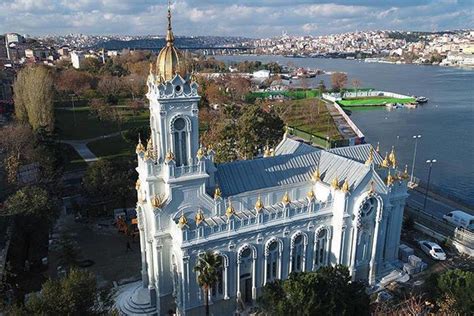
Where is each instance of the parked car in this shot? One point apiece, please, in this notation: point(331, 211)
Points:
point(432, 249)
point(460, 218)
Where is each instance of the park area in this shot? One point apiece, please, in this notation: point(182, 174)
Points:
point(80, 128)
point(373, 101)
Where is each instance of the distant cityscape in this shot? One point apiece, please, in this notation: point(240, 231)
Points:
point(449, 48)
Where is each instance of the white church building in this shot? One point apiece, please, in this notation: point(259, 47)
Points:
point(298, 209)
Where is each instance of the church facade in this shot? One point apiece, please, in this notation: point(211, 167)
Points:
point(295, 210)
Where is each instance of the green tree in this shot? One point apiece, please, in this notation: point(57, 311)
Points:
point(33, 96)
point(257, 128)
point(75, 294)
point(456, 289)
point(207, 269)
point(109, 181)
point(29, 201)
point(329, 291)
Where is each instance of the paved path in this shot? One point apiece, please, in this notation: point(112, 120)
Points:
point(81, 146)
point(342, 125)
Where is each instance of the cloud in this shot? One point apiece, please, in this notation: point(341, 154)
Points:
point(249, 18)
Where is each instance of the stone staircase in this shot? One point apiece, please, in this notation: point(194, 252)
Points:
point(133, 299)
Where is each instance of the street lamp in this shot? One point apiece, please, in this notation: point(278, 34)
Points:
point(430, 163)
point(416, 137)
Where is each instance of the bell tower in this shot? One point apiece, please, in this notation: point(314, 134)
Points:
point(173, 97)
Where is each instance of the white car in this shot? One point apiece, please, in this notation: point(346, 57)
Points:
point(432, 249)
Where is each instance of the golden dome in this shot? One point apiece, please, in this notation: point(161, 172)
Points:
point(310, 195)
point(217, 193)
point(170, 61)
point(335, 183)
point(199, 217)
point(286, 199)
point(183, 221)
point(259, 205)
point(345, 186)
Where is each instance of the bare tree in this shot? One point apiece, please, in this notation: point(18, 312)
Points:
point(356, 84)
point(338, 80)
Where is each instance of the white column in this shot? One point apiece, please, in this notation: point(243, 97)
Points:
point(355, 231)
point(226, 278)
point(373, 259)
point(254, 278)
point(265, 269)
point(151, 277)
point(305, 246)
point(144, 271)
point(342, 246)
point(239, 295)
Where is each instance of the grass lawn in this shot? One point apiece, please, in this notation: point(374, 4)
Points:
point(112, 147)
point(311, 116)
point(72, 160)
point(373, 101)
point(87, 126)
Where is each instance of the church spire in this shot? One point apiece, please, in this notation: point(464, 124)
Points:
point(169, 33)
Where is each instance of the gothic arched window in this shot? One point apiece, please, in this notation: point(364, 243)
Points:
point(273, 261)
point(320, 248)
point(297, 254)
point(180, 141)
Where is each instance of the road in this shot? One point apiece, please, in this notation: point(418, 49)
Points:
point(435, 205)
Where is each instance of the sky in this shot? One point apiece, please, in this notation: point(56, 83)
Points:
point(249, 18)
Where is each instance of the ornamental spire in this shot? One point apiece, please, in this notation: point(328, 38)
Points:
point(345, 186)
point(286, 199)
point(335, 184)
point(370, 159)
point(392, 157)
point(259, 204)
point(169, 33)
point(385, 162)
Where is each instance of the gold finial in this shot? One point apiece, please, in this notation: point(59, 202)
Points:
point(151, 68)
point(345, 186)
point(285, 135)
point(149, 154)
point(199, 217)
point(200, 153)
point(405, 173)
point(316, 176)
point(183, 221)
point(369, 160)
point(217, 193)
point(392, 158)
point(385, 163)
point(310, 195)
point(230, 210)
point(156, 201)
point(140, 148)
point(137, 184)
point(286, 199)
point(335, 183)
point(259, 204)
point(266, 151)
point(169, 156)
point(377, 149)
point(169, 33)
point(372, 187)
point(389, 178)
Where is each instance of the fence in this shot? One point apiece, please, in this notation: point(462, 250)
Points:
point(464, 237)
point(430, 221)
